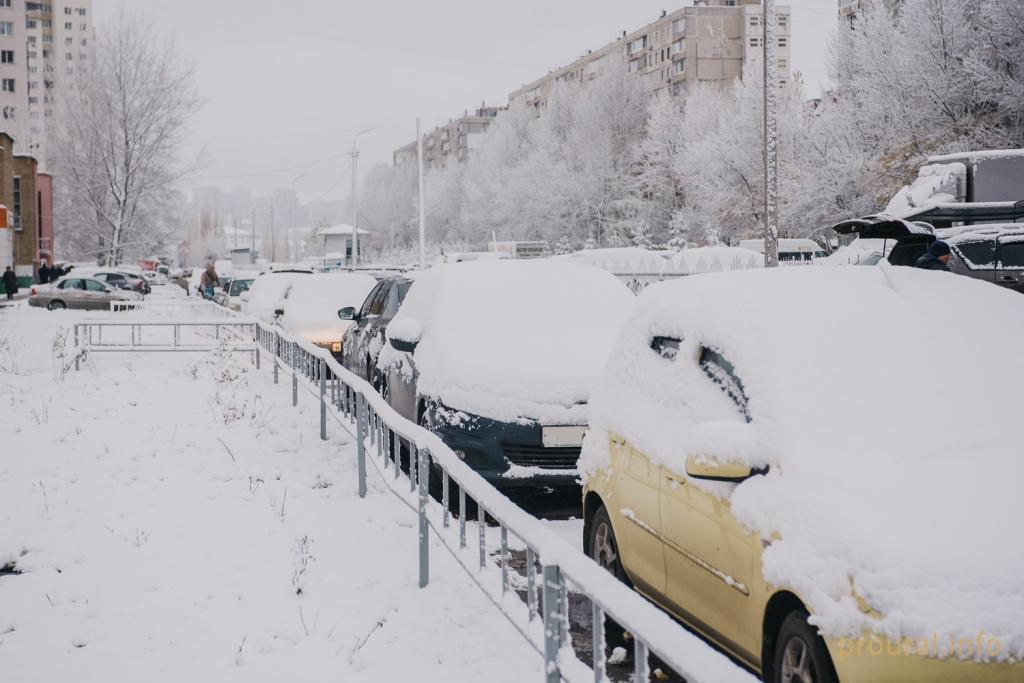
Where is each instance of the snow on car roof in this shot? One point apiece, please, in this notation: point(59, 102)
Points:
point(312, 303)
point(512, 339)
point(886, 403)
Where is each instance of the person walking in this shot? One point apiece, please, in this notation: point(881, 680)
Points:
point(10, 283)
point(936, 258)
point(44, 273)
point(208, 282)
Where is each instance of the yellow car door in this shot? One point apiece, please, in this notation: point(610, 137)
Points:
point(633, 505)
point(710, 562)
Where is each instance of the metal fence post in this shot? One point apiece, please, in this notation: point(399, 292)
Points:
point(361, 446)
point(504, 560)
point(552, 621)
point(531, 577)
point(424, 528)
point(78, 353)
point(257, 350)
point(323, 400)
point(277, 354)
point(462, 517)
point(597, 626)
point(641, 667)
point(295, 381)
point(481, 524)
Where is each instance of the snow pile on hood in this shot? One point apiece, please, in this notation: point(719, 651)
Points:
point(715, 259)
point(312, 303)
point(267, 294)
point(936, 183)
point(624, 260)
point(886, 402)
point(511, 340)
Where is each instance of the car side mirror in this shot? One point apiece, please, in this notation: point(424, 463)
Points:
point(404, 345)
point(703, 467)
point(348, 313)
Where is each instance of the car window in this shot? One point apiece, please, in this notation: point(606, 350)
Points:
point(377, 305)
point(721, 371)
point(394, 298)
point(239, 286)
point(94, 286)
point(978, 253)
point(69, 284)
point(1011, 254)
point(666, 347)
point(368, 302)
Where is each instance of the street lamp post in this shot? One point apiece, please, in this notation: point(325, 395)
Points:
point(355, 197)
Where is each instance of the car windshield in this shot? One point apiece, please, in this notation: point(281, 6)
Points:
point(239, 286)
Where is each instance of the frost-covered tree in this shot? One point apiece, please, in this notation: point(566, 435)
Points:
point(117, 140)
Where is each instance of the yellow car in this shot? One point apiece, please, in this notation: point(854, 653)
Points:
point(764, 499)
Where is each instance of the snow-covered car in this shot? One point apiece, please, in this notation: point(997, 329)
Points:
point(854, 521)
point(365, 338)
point(311, 306)
point(78, 292)
point(499, 359)
point(233, 292)
point(266, 295)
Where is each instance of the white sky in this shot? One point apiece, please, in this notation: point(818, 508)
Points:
point(288, 83)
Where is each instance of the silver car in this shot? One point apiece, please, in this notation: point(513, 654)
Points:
point(78, 292)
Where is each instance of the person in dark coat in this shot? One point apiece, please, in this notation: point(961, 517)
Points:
point(936, 258)
point(44, 273)
point(10, 283)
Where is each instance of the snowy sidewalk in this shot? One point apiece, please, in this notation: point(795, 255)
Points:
point(174, 518)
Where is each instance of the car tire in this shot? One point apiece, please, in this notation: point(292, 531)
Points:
point(56, 306)
point(800, 653)
point(604, 549)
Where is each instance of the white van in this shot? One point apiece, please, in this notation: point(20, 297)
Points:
point(792, 252)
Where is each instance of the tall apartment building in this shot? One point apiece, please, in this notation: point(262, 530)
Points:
point(454, 140)
point(59, 48)
point(711, 41)
point(13, 68)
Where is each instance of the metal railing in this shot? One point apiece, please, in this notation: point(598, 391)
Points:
point(553, 568)
point(172, 307)
point(234, 335)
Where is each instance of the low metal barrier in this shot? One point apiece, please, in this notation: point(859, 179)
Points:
point(554, 569)
point(172, 307)
point(235, 335)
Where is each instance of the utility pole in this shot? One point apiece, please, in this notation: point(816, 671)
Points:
point(273, 236)
point(771, 140)
point(355, 204)
point(252, 247)
point(419, 203)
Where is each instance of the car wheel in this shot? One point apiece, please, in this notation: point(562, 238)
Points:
point(56, 306)
point(800, 653)
point(604, 549)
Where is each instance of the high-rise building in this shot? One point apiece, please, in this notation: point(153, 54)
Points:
point(59, 39)
point(13, 68)
point(709, 42)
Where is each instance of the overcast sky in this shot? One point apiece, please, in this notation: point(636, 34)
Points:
point(290, 83)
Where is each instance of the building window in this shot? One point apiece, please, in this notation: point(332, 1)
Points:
point(69, 41)
point(679, 67)
point(783, 41)
point(679, 26)
point(679, 47)
point(67, 10)
point(31, 23)
point(68, 26)
point(8, 85)
point(7, 56)
point(6, 28)
point(755, 42)
point(81, 12)
point(8, 113)
point(755, 20)
point(17, 202)
point(783, 20)
point(5, 3)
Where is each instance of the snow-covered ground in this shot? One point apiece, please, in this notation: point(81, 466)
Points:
point(174, 518)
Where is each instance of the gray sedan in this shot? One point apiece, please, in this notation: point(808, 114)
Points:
point(78, 292)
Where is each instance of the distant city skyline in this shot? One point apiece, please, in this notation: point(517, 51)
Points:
point(288, 87)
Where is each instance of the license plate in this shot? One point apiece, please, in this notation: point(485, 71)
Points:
point(562, 437)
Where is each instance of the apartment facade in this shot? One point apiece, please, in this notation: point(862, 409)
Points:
point(13, 68)
point(710, 42)
point(453, 141)
point(59, 48)
point(26, 241)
